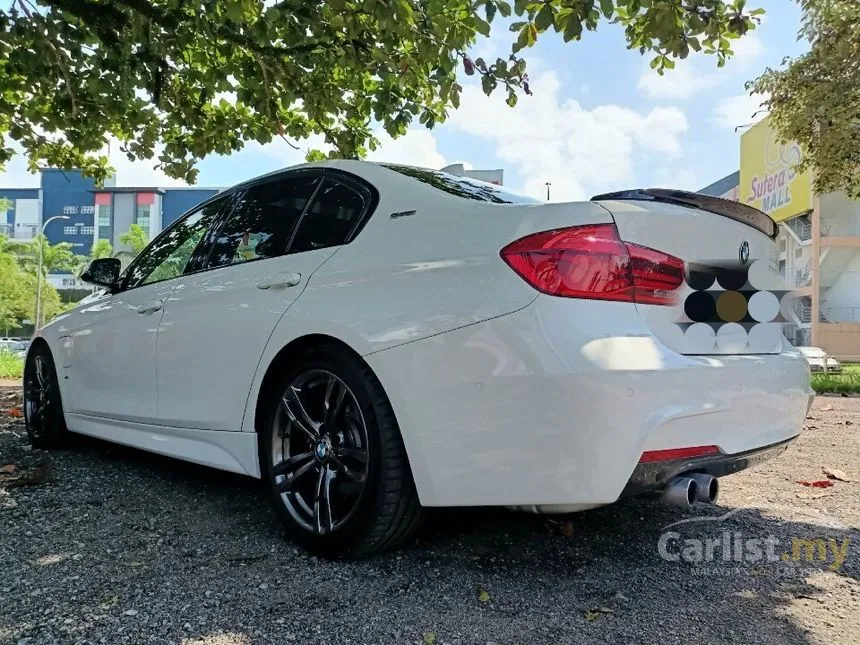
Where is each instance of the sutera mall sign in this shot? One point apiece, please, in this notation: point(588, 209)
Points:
point(768, 181)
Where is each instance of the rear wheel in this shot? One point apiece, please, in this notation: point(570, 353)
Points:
point(333, 458)
point(43, 407)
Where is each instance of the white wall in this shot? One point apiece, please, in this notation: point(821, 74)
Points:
point(26, 218)
point(841, 214)
point(796, 256)
point(842, 300)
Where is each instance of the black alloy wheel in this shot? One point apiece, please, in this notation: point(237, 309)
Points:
point(43, 407)
point(333, 458)
point(320, 451)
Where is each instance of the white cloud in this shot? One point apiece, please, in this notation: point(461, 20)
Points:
point(415, 148)
point(699, 72)
point(581, 152)
point(734, 111)
point(680, 83)
point(16, 174)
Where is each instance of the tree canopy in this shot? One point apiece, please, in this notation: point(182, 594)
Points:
point(18, 286)
point(814, 99)
point(176, 80)
point(135, 238)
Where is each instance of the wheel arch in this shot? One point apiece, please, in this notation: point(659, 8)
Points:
point(302, 343)
point(282, 358)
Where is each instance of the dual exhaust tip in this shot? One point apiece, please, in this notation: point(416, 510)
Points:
point(686, 490)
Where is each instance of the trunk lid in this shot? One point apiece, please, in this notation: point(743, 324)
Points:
point(733, 300)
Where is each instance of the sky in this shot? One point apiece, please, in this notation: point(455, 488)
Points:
point(599, 120)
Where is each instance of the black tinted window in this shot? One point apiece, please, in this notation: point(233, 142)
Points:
point(261, 221)
point(465, 187)
point(168, 256)
point(334, 213)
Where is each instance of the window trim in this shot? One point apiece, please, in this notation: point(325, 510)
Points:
point(226, 197)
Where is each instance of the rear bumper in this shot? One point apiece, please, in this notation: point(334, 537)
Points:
point(653, 476)
point(554, 404)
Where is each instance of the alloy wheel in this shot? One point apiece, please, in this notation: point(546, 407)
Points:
point(38, 396)
point(319, 451)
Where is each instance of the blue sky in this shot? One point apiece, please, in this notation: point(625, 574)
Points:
point(600, 119)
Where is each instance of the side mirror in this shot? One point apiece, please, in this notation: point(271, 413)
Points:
point(103, 272)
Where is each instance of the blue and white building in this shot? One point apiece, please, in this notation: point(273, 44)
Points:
point(94, 213)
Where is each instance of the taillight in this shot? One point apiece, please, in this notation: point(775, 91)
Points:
point(593, 262)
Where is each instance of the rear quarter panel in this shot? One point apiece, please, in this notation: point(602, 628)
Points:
point(415, 276)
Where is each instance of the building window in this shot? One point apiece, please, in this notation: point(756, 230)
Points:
point(782, 244)
point(798, 252)
point(70, 282)
point(70, 230)
point(142, 217)
point(88, 230)
point(103, 216)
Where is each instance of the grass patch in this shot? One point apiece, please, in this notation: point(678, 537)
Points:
point(848, 381)
point(11, 366)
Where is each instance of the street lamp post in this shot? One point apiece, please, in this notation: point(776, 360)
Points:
point(39, 270)
point(548, 184)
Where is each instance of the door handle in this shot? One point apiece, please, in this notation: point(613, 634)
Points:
point(280, 281)
point(149, 307)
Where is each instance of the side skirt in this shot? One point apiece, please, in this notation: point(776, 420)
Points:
point(232, 451)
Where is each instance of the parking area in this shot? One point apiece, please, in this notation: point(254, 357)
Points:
point(103, 544)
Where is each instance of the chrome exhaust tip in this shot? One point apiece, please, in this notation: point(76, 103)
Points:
point(707, 487)
point(681, 491)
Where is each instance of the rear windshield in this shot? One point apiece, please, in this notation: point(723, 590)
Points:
point(465, 187)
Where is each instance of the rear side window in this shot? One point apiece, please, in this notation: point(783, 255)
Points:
point(465, 187)
point(334, 214)
point(262, 220)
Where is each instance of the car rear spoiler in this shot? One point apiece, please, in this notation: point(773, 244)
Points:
point(727, 208)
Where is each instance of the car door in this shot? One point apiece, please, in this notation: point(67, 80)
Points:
point(217, 322)
point(114, 344)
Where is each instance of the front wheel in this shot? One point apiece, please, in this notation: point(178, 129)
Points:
point(333, 458)
point(43, 407)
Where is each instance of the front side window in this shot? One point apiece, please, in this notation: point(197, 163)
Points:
point(262, 220)
point(168, 256)
point(334, 214)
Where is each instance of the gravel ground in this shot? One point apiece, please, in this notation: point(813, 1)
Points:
point(103, 544)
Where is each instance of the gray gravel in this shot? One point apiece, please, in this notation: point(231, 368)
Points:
point(103, 544)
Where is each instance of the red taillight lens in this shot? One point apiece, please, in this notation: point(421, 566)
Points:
point(592, 262)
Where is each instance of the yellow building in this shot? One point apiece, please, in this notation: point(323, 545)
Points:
point(819, 240)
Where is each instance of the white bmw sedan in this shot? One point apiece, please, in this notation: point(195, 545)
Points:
point(371, 340)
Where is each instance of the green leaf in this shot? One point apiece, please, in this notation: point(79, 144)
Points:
point(517, 26)
point(490, 10)
point(607, 7)
point(483, 594)
point(573, 29)
point(488, 83)
point(544, 18)
point(482, 26)
point(428, 638)
point(504, 8)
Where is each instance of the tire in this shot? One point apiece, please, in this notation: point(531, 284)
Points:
point(361, 471)
point(43, 406)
